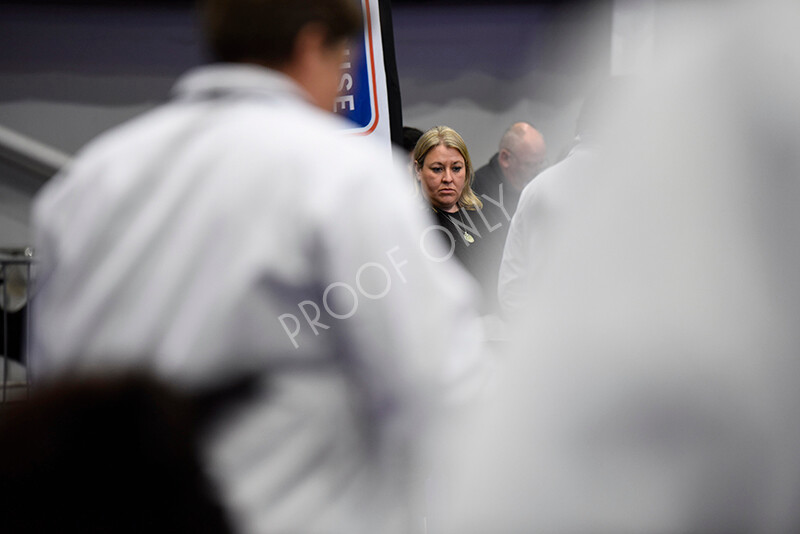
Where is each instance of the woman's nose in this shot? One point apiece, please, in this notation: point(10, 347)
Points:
point(448, 176)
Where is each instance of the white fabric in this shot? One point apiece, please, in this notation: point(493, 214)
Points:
point(553, 190)
point(653, 383)
point(178, 240)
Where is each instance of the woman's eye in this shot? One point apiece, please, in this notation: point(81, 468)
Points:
point(437, 169)
point(457, 169)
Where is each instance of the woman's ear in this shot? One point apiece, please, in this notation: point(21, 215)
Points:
point(417, 169)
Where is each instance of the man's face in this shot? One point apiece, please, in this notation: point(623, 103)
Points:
point(328, 74)
point(522, 163)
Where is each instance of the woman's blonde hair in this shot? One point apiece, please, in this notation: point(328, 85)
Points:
point(444, 135)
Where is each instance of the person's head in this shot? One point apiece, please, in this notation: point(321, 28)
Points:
point(522, 154)
point(304, 39)
point(444, 170)
point(410, 137)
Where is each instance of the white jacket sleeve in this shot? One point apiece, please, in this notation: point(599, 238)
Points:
point(515, 265)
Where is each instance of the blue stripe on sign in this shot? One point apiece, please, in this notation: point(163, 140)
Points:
point(354, 101)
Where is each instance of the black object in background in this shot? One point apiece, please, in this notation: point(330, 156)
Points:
point(111, 454)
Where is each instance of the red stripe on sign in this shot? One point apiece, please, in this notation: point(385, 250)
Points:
point(372, 70)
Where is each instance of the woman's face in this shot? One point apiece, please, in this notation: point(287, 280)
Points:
point(443, 175)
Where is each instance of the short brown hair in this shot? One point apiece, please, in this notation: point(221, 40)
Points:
point(266, 30)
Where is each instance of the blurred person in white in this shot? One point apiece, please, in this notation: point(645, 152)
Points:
point(234, 230)
point(560, 184)
point(655, 380)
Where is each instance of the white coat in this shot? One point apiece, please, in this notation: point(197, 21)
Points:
point(234, 227)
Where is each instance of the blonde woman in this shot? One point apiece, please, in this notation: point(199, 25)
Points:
point(444, 173)
point(444, 170)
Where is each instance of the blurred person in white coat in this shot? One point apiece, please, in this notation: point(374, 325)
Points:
point(234, 230)
point(555, 190)
point(655, 378)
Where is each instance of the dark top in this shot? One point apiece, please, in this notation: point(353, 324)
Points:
point(474, 246)
point(489, 181)
point(499, 204)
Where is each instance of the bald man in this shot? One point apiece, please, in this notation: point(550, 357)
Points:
point(521, 156)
